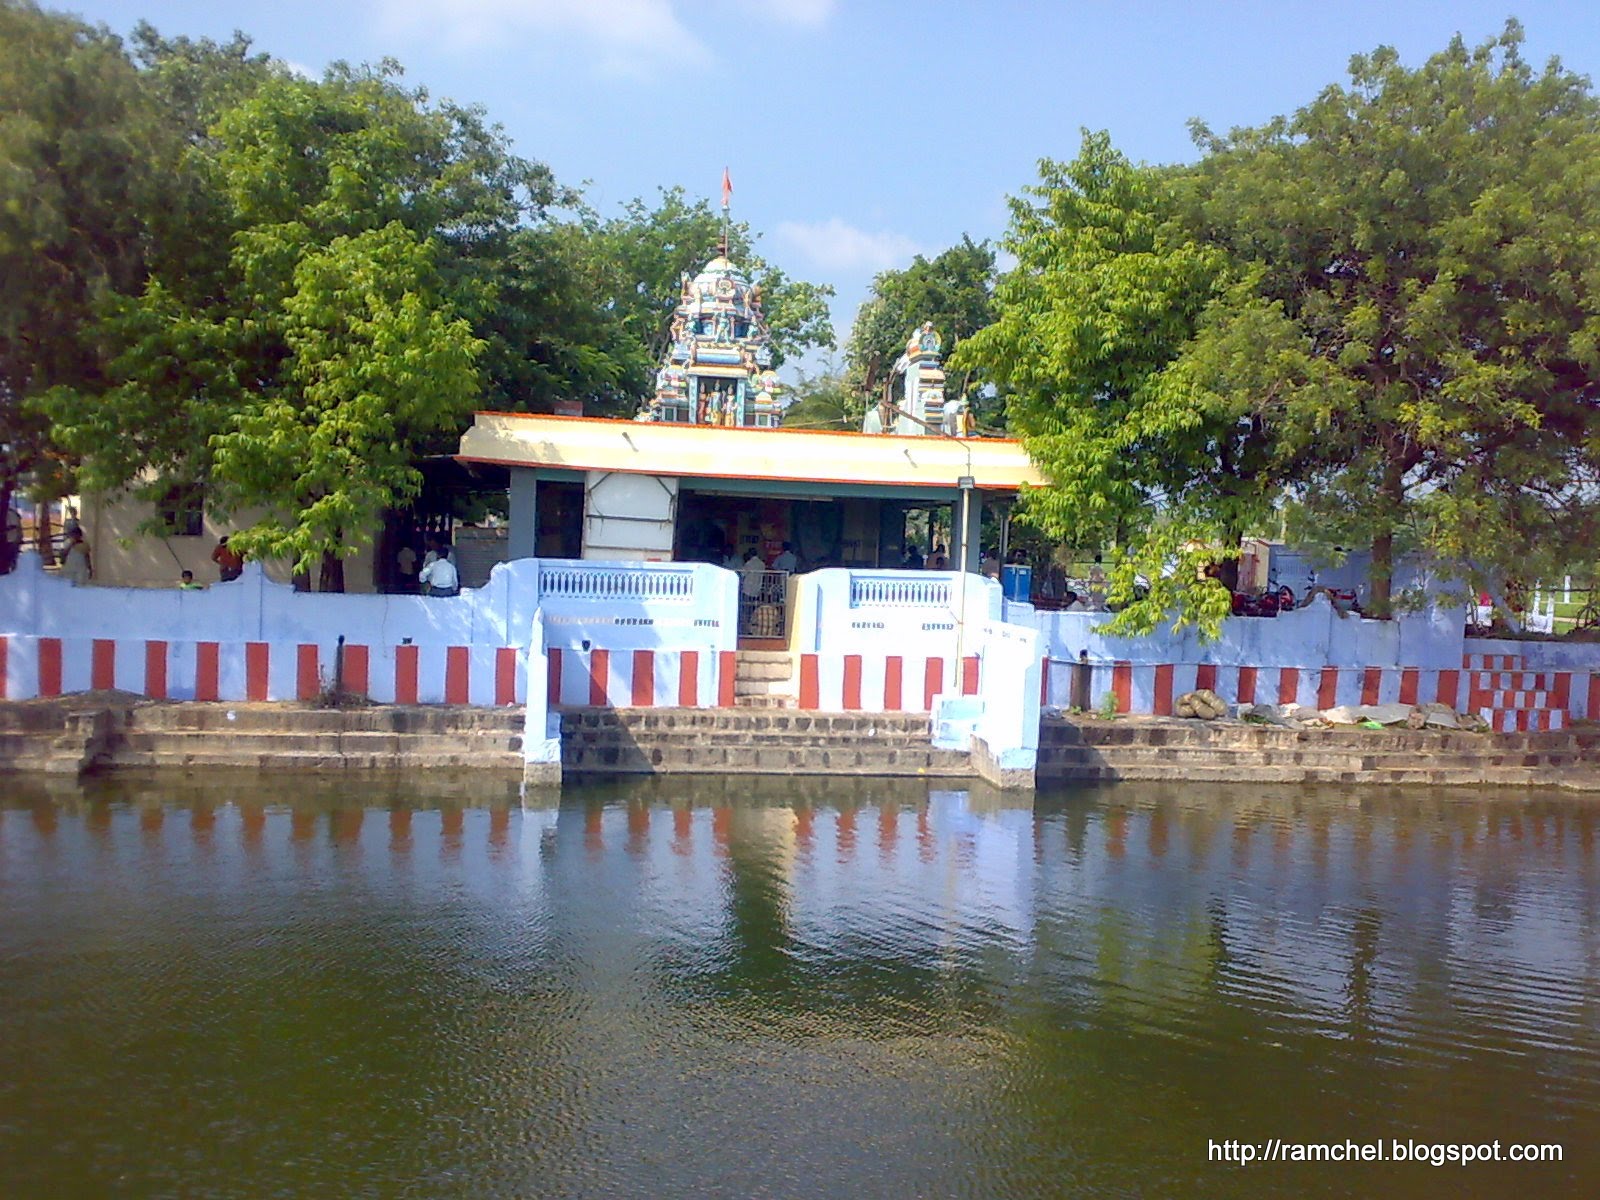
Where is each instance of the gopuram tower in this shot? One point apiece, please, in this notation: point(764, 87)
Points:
point(719, 368)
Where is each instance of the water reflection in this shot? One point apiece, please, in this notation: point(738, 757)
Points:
point(784, 987)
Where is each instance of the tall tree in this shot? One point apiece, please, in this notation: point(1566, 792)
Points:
point(226, 367)
point(954, 290)
point(1429, 237)
point(1385, 306)
point(824, 401)
point(1151, 462)
point(80, 162)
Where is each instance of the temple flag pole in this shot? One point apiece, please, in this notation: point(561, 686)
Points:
point(727, 196)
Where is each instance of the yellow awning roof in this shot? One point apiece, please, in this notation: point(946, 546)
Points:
point(712, 452)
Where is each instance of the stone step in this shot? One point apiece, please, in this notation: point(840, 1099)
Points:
point(580, 756)
point(764, 656)
point(762, 687)
point(1433, 776)
point(690, 738)
point(710, 718)
point(279, 758)
point(773, 671)
point(1327, 757)
point(764, 701)
point(355, 742)
point(233, 719)
point(1234, 735)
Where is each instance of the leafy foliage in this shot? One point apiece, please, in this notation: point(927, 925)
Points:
point(363, 229)
point(80, 163)
point(1108, 289)
point(1426, 240)
point(824, 401)
point(1384, 307)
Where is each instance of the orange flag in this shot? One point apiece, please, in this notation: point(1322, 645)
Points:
point(727, 187)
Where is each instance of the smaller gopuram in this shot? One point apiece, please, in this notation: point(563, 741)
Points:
point(719, 367)
point(913, 400)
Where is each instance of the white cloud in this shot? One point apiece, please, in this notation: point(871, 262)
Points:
point(836, 245)
point(626, 37)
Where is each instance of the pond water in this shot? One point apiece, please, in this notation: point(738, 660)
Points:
point(272, 986)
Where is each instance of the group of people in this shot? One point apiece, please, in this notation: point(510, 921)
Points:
point(438, 576)
point(938, 558)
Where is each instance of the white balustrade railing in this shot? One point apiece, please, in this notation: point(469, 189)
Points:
point(654, 584)
point(894, 591)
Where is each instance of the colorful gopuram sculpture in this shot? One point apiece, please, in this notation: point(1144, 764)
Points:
point(913, 399)
point(719, 367)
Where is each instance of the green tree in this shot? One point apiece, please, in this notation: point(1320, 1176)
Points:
point(377, 363)
point(824, 401)
point(1430, 239)
point(1158, 465)
point(307, 179)
point(1384, 307)
point(80, 159)
point(954, 290)
point(551, 334)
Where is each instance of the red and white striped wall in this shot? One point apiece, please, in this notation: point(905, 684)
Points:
point(640, 678)
point(878, 683)
point(243, 671)
point(1511, 698)
point(1508, 699)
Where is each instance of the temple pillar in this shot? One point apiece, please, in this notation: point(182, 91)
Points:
point(523, 536)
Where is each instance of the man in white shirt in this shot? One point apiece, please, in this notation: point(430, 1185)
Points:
point(440, 576)
point(786, 561)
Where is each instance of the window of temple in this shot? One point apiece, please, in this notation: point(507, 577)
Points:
point(181, 510)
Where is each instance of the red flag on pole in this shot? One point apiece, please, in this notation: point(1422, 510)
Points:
point(727, 187)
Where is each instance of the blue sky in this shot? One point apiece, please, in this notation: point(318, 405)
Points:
point(857, 133)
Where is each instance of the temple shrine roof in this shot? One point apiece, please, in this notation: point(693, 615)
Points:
point(685, 451)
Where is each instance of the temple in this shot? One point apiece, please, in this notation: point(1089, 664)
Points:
point(704, 473)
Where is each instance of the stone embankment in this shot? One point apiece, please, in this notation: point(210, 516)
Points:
point(114, 731)
point(1155, 748)
point(714, 741)
point(109, 731)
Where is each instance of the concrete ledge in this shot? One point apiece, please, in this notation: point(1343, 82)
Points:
point(1014, 770)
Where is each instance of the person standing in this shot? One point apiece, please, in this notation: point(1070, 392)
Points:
point(406, 563)
point(786, 560)
point(77, 566)
point(230, 563)
point(11, 548)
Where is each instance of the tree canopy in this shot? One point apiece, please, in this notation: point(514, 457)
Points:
point(954, 290)
point(289, 291)
point(81, 151)
point(355, 218)
point(1382, 309)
